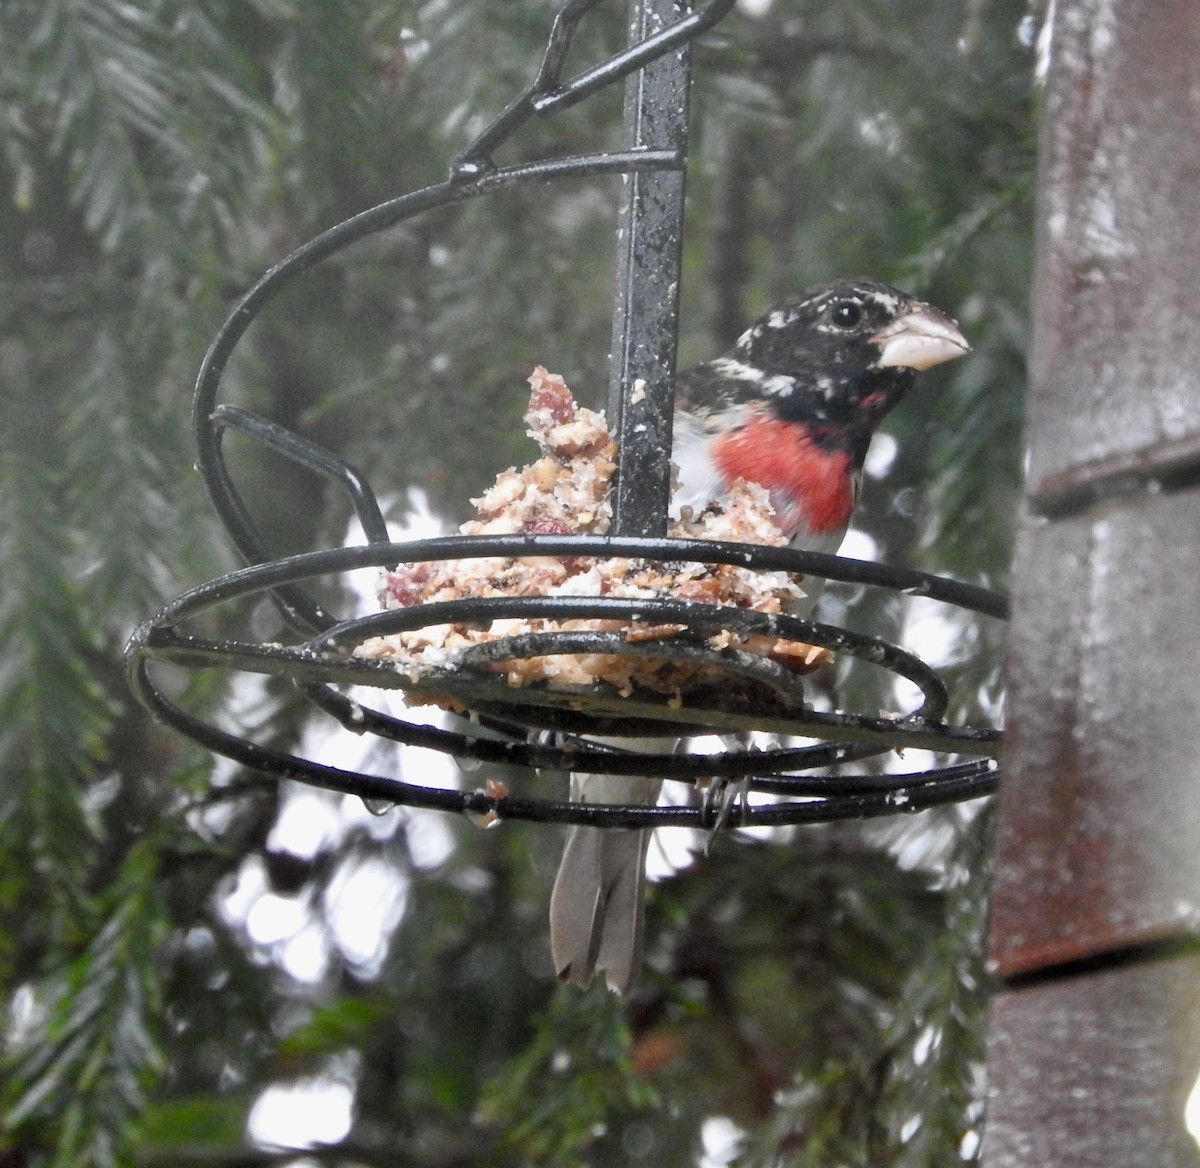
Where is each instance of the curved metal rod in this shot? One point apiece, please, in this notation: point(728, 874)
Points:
point(308, 565)
point(548, 93)
point(303, 613)
point(695, 615)
point(635, 714)
point(313, 663)
point(586, 756)
point(903, 793)
point(155, 637)
point(302, 450)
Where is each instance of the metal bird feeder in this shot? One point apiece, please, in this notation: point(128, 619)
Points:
point(543, 726)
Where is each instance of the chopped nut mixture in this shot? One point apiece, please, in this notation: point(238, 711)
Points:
point(567, 491)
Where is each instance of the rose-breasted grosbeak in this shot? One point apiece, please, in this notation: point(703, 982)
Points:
point(792, 407)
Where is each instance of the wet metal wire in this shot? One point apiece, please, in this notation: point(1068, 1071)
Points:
point(537, 726)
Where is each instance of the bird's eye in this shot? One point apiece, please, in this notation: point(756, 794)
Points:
point(846, 313)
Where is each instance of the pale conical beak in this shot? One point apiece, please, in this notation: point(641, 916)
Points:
point(923, 337)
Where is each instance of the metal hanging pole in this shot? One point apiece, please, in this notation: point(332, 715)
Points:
point(646, 314)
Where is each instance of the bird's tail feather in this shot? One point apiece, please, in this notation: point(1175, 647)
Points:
point(596, 909)
point(597, 906)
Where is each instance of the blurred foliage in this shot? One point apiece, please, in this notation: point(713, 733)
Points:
point(818, 1002)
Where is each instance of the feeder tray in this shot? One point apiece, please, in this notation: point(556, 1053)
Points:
point(541, 724)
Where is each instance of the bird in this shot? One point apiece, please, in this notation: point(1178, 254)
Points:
point(792, 406)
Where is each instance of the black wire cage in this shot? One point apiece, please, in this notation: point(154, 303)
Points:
point(542, 725)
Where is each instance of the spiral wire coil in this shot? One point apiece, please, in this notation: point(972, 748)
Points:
point(548, 727)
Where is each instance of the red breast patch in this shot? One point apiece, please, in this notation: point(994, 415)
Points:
point(811, 486)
